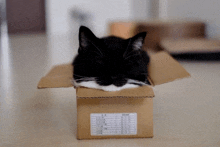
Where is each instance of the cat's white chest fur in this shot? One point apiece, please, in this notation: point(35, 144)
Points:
point(93, 84)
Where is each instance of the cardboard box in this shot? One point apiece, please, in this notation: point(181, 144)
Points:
point(122, 114)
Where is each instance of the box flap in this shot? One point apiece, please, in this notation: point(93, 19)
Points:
point(163, 68)
point(58, 76)
point(140, 92)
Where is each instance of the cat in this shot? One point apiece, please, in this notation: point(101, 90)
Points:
point(110, 63)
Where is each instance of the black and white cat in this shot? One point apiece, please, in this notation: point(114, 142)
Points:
point(110, 63)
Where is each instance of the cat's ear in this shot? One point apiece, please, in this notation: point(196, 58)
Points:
point(138, 40)
point(86, 37)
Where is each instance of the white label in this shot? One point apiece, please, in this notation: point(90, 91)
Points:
point(113, 123)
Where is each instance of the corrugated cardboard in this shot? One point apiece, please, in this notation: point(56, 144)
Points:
point(136, 100)
point(139, 101)
point(58, 76)
point(163, 68)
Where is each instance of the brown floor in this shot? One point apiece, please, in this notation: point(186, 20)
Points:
point(186, 112)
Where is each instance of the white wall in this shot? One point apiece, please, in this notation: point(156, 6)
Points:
point(140, 9)
point(207, 10)
point(102, 11)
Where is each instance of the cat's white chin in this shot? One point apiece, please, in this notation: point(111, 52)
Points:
point(93, 84)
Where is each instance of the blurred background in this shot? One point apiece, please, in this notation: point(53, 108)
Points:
point(57, 20)
point(54, 17)
point(37, 34)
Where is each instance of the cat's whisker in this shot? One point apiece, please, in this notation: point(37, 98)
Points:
point(127, 54)
point(78, 75)
point(130, 56)
point(127, 48)
point(89, 78)
point(85, 79)
point(130, 81)
point(98, 53)
point(96, 48)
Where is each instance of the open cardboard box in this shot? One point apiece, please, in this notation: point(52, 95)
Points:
point(122, 114)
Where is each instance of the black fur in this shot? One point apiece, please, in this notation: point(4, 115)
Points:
point(110, 60)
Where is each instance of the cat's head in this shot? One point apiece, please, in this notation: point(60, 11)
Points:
point(110, 63)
